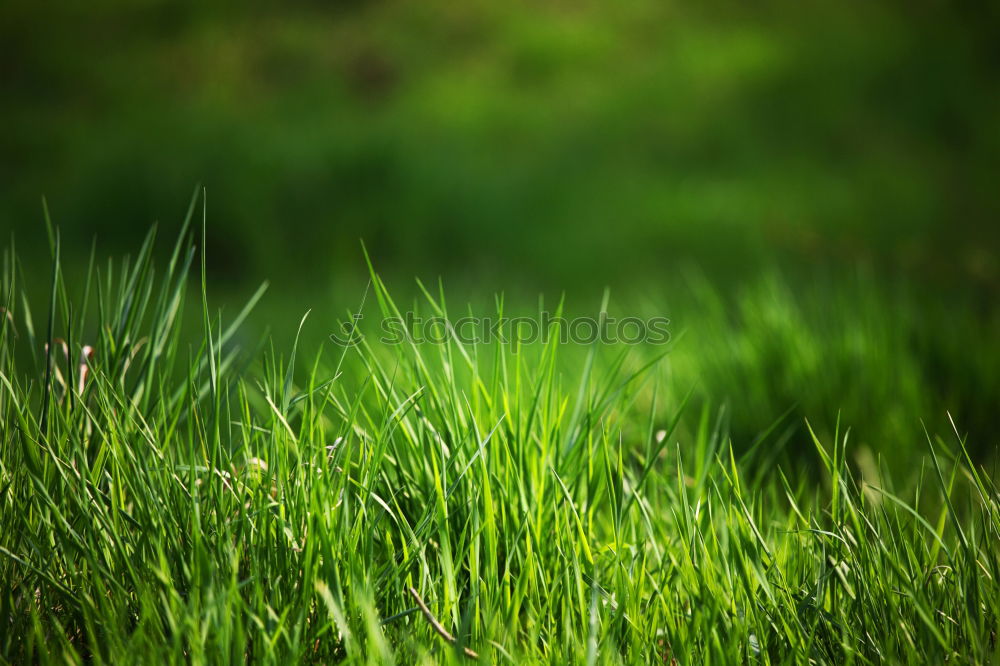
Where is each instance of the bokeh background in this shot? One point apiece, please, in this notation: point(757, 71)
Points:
point(808, 189)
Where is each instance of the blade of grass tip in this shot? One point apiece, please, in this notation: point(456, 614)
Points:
point(945, 490)
point(50, 231)
point(827, 462)
point(7, 320)
point(47, 388)
point(29, 321)
point(206, 320)
point(244, 313)
point(286, 396)
point(71, 366)
point(651, 423)
point(171, 290)
point(87, 284)
point(185, 225)
point(973, 472)
point(355, 317)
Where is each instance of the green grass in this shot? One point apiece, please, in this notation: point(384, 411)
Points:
point(204, 500)
point(447, 134)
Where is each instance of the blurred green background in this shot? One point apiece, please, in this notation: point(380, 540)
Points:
point(828, 170)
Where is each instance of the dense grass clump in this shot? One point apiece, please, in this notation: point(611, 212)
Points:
point(168, 496)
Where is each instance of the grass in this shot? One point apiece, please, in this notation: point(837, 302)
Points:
point(177, 498)
point(448, 134)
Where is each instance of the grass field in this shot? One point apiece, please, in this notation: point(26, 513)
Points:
point(170, 495)
point(783, 213)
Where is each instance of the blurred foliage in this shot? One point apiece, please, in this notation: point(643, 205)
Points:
point(885, 360)
point(551, 146)
point(553, 143)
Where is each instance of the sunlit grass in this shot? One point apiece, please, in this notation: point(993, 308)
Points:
point(169, 496)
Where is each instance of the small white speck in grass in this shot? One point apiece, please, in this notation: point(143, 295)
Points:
point(333, 447)
point(258, 464)
point(86, 354)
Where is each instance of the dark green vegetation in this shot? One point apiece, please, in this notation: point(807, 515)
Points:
point(187, 500)
point(543, 144)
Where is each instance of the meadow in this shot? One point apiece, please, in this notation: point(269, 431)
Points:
point(171, 493)
point(228, 432)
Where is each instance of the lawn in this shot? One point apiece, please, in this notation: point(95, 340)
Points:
point(175, 489)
